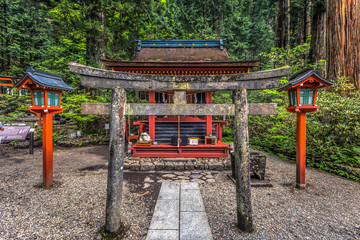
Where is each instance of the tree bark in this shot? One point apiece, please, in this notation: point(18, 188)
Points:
point(282, 28)
point(95, 37)
point(242, 161)
point(304, 21)
point(301, 25)
point(318, 32)
point(343, 40)
point(116, 161)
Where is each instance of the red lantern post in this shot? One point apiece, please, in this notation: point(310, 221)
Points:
point(46, 91)
point(302, 91)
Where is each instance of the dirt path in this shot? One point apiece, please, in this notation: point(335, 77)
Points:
point(74, 208)
point(328, 209)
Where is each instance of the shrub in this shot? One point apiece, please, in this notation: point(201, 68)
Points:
point(72, 111)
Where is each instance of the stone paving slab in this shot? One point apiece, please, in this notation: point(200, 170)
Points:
point(194, 225)
point(191, 201)
point(179, 214)
point(166, 215)
point(169, 187)
point(192, 185)
point(169, 191)
point(162, 234)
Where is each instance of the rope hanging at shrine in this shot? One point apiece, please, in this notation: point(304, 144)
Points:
point(179, 131)
point(129, 127)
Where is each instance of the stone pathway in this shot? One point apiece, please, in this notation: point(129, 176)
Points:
point(194, 176)
point(179, 214)
point(178, 164)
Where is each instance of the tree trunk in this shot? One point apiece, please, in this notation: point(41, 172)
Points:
point(95, 37)
point(116, 161)
point(242, 161)
point(343, 40)
point(318, 32)
point(282, 28)
point(307, 19)
point(304, 21)
point(301, 26)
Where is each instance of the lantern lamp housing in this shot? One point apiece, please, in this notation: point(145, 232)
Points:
point(46, 90)
point(302, 90)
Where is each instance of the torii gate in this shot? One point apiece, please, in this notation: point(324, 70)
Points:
point(120, 82)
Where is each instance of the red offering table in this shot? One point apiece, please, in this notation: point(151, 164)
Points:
point(219, 150)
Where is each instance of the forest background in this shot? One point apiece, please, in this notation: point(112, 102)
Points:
point(48, 34)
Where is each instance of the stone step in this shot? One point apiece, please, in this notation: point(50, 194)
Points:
point(179, 214)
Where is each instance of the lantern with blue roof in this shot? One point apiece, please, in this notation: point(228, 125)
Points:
point(46, 92)
point(302, 91)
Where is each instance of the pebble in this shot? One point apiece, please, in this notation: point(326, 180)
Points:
point(197, 180)
point(183, 177)
point(148, 180)
point(169, 176)
point(195, 176)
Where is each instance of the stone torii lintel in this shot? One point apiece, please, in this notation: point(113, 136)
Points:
point(108, 79)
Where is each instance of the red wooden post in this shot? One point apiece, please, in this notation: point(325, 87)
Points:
point(220, 132)
point(38, 115)
point(47, 149)
point(152, 117)
point(208, 117)
point(301, 150)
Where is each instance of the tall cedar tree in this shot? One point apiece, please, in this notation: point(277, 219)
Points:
point(282, 27)
point(343, 40)
point(318, 31)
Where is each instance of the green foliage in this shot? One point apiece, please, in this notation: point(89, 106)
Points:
point(12, 106)
point(295, 57)
point(24, 36)
point(72, 111)
point(57, 137)
point(333, 133)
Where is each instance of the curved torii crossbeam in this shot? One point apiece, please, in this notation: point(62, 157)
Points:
point(119, 81)
point(100, 78)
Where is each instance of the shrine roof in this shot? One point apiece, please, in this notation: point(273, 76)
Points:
point(181, 53)
point(45, 79)
point(180, 43)
point(302, 76)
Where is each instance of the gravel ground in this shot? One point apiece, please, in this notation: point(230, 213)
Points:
point(74, 208)
point(328, 209)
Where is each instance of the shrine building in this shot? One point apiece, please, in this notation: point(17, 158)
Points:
point(181, 136)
